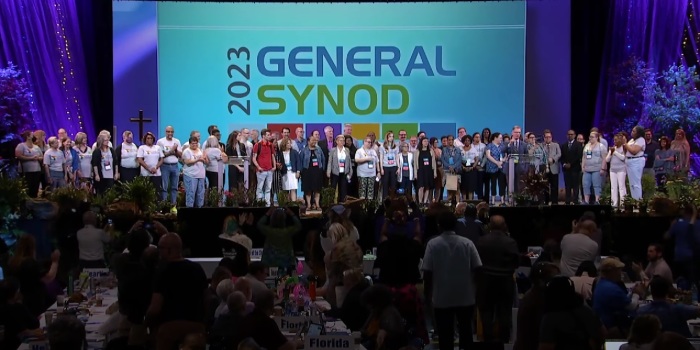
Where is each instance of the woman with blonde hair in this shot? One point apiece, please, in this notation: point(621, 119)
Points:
point(291, 168)
point(339, 168)
point(103, 167)
point(682, 147)
point(593, 167)
point(82, 159)
point(55, 164)
point(212, 151)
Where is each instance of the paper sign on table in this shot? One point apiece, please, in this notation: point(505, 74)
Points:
point(291, 324)
point(256, 254)
point(39, 345)
point(93, 273)
point(332, 342)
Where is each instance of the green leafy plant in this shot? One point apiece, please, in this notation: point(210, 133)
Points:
point(283, 199)
point(68, 197)
point(212, 198)
point(648, 186)
point(141, 192)
point(327, 197)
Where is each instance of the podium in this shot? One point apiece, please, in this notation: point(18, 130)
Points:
point(519, 166)
point(238, 160)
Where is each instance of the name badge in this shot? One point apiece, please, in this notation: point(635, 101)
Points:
point(108, 165)
point(426, 161)
point(469, 162)
point(451, 160)
point(289, 166)
point(501, 158)
point(390, 159)
point(314, 162)
point(370, 165)
point(589, 155)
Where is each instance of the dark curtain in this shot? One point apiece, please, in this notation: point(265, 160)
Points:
point(647, 29)
point(43, 39)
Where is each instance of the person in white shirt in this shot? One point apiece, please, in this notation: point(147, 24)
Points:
point(172, 151)
point(366, 159)
point(461, 132)
point(448, 268)
point(213, 153)
point(82, 162)
point(618, 171)
point(104, 170)
point(150, 156)
point(55, 164)
point(126, 157)
point(91, 242)
point(578, 247)
point(634, 151)
point(194, 173)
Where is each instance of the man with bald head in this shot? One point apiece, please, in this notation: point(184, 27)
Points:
point(169, 170)
point(178, 303)
point(495, 284)
point(578, 246)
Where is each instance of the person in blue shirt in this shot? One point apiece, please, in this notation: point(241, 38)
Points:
point(686, 239)
point(674, 317)
point(611, 302)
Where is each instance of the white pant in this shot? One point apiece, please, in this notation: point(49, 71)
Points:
point(617, 186)
point(635, 167)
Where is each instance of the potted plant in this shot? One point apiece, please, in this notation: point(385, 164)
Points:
point(629, 204)
point(327, 197)
point(521, 199)
point(212, 197)
point(643, 205)
point(141, 193)
point(13, 194)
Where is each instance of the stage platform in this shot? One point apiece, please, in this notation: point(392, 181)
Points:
point(623, 234)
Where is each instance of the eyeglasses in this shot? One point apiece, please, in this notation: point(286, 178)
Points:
point(402, 134)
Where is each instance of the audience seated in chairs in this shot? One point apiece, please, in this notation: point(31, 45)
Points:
point(224, 328)
point(645, 329)
point(585, 279)
point(673, 316)
point(220, 273)
point(531, 308)
point(257, 274)
point(610, 300)
point(66, 333)
point(352, 312)
point(15, 317)
point(223, 290)
point(178, 302)
point(28, 271)
point(567, 322)
point(261, 328)
point(384, 329)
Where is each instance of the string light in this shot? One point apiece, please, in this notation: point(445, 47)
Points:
point(68, 81)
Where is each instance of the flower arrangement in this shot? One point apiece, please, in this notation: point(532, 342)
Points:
point(536, 184)
point(15, 104)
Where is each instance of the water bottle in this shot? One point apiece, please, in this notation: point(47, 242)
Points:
point(2, 274)
point(694, 291)
point(71, 284)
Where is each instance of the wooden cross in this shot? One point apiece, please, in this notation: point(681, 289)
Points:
point(140, 120)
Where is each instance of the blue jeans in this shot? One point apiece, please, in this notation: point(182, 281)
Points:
point(592, 177)
point(171, 178)
point(264, 185)
point(194, 191)
point(58, 179)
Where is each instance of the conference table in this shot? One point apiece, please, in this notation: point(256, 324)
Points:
point(98, 322)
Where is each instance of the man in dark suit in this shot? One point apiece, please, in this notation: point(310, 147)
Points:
point(326, 145)
point(571, 154)
point(516, 148)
